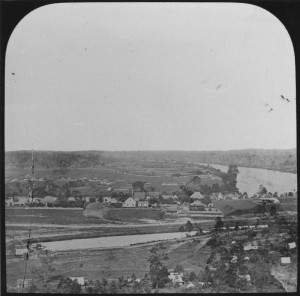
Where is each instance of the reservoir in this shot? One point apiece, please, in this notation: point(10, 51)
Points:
point(249, 179)
point(112, 241)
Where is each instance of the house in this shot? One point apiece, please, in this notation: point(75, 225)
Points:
point(27, 283)
point(107, 199)
point(143, 204)
point(176, 278)
point(113, 200)
point(197, 196)
point(71, 199)
point(166, 196)
point(9, 202)
point(48, 200)
point(129, 203)
point(292, 245)
point(172, 210)
point(285, 260)
point(197, 206)
point(80, 280)
point(21, 200)
point(139, 196)
point(20, 250)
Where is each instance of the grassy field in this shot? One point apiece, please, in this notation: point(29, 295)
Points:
point(49, 216)
point(115, 263)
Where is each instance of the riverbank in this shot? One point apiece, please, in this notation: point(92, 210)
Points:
point(256, 167)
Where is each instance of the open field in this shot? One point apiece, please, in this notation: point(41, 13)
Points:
point(115, 263)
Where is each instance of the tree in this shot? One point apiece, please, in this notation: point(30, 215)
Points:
point(196, 180)
point(219, 223)
point(178, 269)
point(45, 265)
point(138, 186)
point(67, 286)
point(158, 272)
point(230, 179)
point(189, 226)
point(262, 190)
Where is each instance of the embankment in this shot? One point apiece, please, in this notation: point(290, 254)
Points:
point(122, 214)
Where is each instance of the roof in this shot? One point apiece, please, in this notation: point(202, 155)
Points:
point(197, 195)
point(140, 195)
point(48, 199)
point(237, 206)
point(197, 203)
point(71, 198)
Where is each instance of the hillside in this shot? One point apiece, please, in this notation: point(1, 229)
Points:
point(282, 160)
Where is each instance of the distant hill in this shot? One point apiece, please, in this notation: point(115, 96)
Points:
point(282, 160)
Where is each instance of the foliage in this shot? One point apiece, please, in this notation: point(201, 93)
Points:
point(68, 286)
point(158, 272)
point(138, 186)
point(178, 268)
point(45, 265)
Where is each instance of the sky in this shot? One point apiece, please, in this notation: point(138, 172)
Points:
point(149, 76)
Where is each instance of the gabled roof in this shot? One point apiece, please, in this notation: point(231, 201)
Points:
point(197, 195)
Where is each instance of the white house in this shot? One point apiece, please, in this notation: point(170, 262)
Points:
point(197, 196)
point(21, 250)
point(80, 280)
point(143, 204)
point(129, 203)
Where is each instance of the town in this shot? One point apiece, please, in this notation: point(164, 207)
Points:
point(228, 231)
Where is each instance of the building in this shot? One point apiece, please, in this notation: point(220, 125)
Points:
point(171, 210)
point(71, 199)
point(197, 206)
point(79, 279)
point(129, 203)
point(27, 283)
point(197, 196)
point(113, 200)
point(20, 250)
point(9, 202)
point(48, 200)
point(143, 204)
point(21, 200)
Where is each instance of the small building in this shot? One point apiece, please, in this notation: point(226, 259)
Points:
point(197, 196)
point(71, 199)
point(172, 210)
point(20, 200)
point(9, 202)
point(80, 280)
point(285, 260)
point(48, 200)
point(176, 278)
point(143, 204)
point(197, 206)
point(129, 203)
point(113, 200)
point(20, 250)
point(27, 283)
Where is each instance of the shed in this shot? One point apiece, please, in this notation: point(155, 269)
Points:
point(285, 260)
point(79, 279)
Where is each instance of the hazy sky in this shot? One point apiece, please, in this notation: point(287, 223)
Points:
point(149, 76)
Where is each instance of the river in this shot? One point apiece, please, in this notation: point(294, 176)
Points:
point(112, 241)
point(249, 179)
